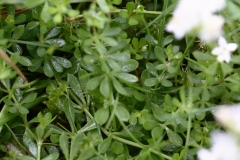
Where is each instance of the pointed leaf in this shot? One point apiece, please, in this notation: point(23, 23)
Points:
point(101, 116)
point(63, 142)
point(105, 87)
point(122, 113)
point(70, 113)
point(93, 83)
point(104, 145)
point(118, 86)
point(127, 77)
point(29, 98)
point(18, 32)
point(54, 32)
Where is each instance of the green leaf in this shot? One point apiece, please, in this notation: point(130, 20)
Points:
point(151, 69)
point(83, 79)
point(54, 32)
point(41, 51)
point(104, 146)
point(205, 95)
point(32, 25)
point(121, 57)
point(94, 82)
point(18, 32)
point(212, 68)
point(37, 62)
point(89, 126)
point(63, 61)
point(47, 69)
point(29, 98)
point(157, 133)
point(200, 56)
point(159, 112)
point(69, 111)
point(63, 142)
point(174, 137)
point(31, 3)
point(25, 158)
point(130, 7)
point(122, 113)
point(126, 77)
point(23, 110)
point(109, 41)
point(226, 69)
point(139, 96)
point(77, 140)
point(57, 41)
point(20, 19)
point(150, 82)
point(117, 2)
point(113, 65)
point(166, 83)
point(132, 21)
point(83, 33)
point(103, 5)
point(135, 43)
point(142, 42)
point(56, 65)
point(159, 52)
point(150, 124)
point(76, 87)
point(101, 116)
point(12, 109)
point(123, 14)
point(105, 87)
point(39, 132)
point(86, 154)
point(129, 66)
point(118, 86)
point(117, 147)
point(29, 143)
point(45, 15)
point(25, 61)
point(111, 32)
point(53, 156)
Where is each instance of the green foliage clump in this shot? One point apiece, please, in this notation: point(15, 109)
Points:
point(105, 81)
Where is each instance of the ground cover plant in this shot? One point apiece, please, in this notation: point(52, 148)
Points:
point(119, 79)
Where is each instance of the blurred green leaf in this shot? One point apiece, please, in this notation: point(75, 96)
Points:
point(122, 113)
point(101, 116)
point(104, 146)
point(63, 142)
point(18, 32)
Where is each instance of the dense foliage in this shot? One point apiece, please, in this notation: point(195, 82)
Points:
point(101, 79)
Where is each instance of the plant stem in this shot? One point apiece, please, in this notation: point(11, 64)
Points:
point(39, 144)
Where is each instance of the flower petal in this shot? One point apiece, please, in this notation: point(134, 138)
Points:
point(222, 42)
point(231, 47)
point(217, 51)
point(204, 154)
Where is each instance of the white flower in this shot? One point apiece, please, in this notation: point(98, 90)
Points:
point(211, 28)
point(229, 117)
point(194, 14)
point(179, 28)
point(224, 147)
point(223, 51)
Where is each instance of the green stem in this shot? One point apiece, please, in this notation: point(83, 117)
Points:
point(185, 54)
point(39, 150)
point(162, 25)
